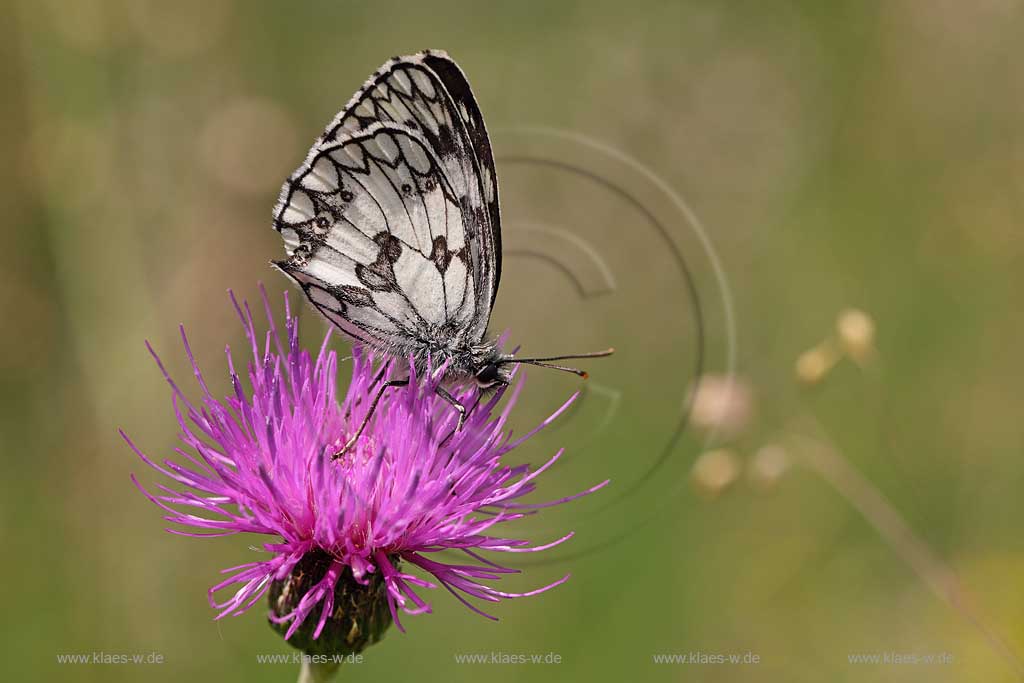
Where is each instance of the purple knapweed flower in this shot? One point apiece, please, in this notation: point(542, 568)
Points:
point(259, 461)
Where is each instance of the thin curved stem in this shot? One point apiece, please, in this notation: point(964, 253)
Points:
point(819, 455)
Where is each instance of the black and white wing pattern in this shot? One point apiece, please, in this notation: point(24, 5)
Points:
point(377, 240)
point(429, 93)
point(392, 223)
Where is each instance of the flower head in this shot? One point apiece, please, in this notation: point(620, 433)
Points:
point(260, 461)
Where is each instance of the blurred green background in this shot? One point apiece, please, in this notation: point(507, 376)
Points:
point(839, 154)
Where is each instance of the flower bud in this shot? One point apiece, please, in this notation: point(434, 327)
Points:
point(722, 403)
point(813, 365)
point(768, 465)
point(714, 471)
point(857, 334)
point(360, 615)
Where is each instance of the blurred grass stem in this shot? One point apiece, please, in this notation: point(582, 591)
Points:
point(820, 455)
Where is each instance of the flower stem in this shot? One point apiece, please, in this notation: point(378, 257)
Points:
point(317, 673)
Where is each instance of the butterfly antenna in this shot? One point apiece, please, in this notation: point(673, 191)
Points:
point(543, 362)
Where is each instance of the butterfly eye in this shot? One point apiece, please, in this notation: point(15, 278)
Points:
point(406, 188)
point(347, 196)
point(487, 375)
point(323, 222)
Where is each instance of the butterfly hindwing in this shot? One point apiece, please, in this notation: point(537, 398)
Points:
point(377, 239)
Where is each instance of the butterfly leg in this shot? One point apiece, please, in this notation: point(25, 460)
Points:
point(385, 366)
point(458, 406)
point(369, 413)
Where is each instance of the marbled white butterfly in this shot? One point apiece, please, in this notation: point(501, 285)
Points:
point(392, 228)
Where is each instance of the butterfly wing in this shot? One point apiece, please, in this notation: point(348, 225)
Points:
point(378, 239)
point(457, 85)
point(428, 92)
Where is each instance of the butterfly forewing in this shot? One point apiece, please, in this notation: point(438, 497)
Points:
point(457, 86)
point(377, 239)
point(428, 93)
point(392, 224)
